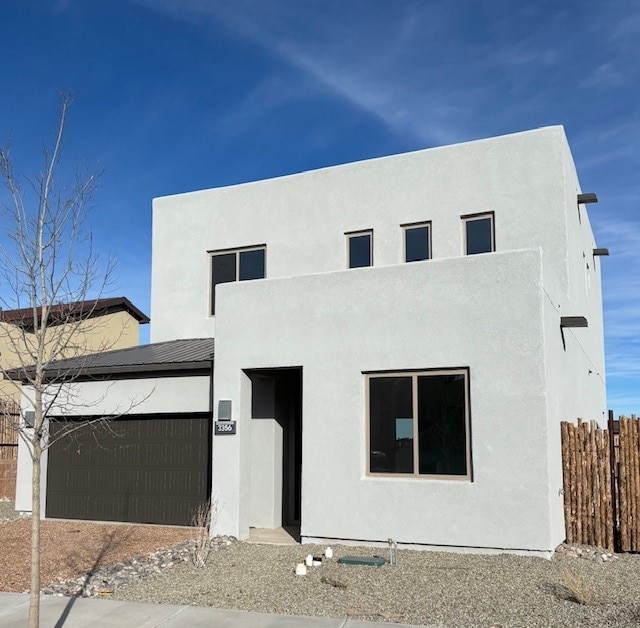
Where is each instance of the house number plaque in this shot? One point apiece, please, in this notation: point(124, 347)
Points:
point(225, 427)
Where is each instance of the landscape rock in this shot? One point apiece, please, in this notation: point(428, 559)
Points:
point(7, 512)
point(586, 552)
point(105, 580)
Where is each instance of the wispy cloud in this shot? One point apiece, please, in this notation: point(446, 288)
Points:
point(526, 52)
point(621, 292)
point(622, 365)
point(622, 236)
point(605, 75)
point(60, 6)
point(413, 66)
point(622, 23)
point(622, 325)
point(262, 98)
point(350, 55)
point(606, 146)
point(623, 402)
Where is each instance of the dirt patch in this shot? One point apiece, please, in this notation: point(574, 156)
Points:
point(69, 548)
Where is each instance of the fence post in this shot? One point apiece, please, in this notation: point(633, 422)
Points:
point(576, 494)
point(569, 519)
point(623, 488)
point(633, 448)
point(613, 475)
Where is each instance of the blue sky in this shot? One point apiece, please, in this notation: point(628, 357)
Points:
point(173, 96)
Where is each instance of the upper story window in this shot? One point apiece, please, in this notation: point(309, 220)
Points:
point(418, 424)
point(417, 241)
point(360, 248)
point(236, 265)
point(479, 232)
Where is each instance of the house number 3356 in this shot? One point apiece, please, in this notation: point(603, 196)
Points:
point(225, 427)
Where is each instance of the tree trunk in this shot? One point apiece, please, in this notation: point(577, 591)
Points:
point(34, 602)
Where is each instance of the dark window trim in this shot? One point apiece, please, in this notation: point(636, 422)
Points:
point(414, 373)
point(237, 250)
point(479, 216)
point(415, 225)
point(432, 370)
point(360, 232)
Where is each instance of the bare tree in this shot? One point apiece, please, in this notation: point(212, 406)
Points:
point(51, 274)
point(203, 520)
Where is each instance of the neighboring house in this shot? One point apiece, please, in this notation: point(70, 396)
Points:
point(93, 326)
point(86, 326)
point(401, 371)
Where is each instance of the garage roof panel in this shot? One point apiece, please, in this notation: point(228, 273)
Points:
point(174, 355)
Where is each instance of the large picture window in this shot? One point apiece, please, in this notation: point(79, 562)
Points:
point(418, 424)
point(236, 265)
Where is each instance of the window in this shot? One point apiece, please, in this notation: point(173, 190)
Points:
point(360, 249)
point(238, 265)
point(417, 242)
point(479, 233)
point(418, 424)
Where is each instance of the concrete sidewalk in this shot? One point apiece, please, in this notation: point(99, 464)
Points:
point(56, 612)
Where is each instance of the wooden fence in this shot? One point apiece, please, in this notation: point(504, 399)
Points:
point(601, 482)
point(8, 449)
point(627, 463)
point(9, 414)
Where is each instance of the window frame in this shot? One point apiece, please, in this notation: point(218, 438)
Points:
point(354, 234)
point(414, 374)
point(416, 225)
point(479, 216)
point(236, 251)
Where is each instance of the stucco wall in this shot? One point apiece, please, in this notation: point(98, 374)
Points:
point(447, 312)
point(484, 313)
point(108, 332)
point(574, 357)
point(155, 395)
point(10, 359)
point(302, 218)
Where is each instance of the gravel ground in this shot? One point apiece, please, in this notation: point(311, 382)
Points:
point(424, 588)
point(7, 511)
point(72, 547)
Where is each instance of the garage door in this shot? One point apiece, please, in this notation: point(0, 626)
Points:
point(148, 469)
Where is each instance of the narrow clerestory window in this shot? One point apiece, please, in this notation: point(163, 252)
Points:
point(479, 233)
point(417, 242)
point(359, 249)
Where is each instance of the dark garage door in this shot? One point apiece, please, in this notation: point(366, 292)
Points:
point(149, 469)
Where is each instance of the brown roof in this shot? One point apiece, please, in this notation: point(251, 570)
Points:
point(190, 354)
point(80, 309)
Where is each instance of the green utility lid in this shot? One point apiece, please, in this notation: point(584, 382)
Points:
point(371, 561)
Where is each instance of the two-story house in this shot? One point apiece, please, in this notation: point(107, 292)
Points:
point(396, 343)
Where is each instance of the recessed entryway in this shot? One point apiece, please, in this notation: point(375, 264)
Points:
point(274, 536)
point(276, 449)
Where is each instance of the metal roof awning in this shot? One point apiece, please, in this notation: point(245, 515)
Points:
point(191, 354)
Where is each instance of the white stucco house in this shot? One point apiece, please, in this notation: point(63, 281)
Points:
point(396, 343)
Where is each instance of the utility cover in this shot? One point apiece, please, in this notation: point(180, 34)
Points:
point(371, 561)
